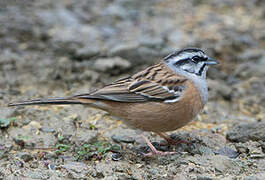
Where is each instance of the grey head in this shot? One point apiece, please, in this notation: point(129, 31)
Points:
point(192, 63)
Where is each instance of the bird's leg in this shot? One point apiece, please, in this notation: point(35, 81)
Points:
point(170, 140)
point(154, 151)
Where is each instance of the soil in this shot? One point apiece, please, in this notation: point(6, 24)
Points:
point(61, 48)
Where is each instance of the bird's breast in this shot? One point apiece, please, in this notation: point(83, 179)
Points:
point(159, 116)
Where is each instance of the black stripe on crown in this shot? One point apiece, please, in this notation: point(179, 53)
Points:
point(176, 53)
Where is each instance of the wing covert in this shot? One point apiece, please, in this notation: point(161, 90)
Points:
point(153, 84)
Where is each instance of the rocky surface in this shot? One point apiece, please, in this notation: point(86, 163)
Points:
point(244, 132)
point(59, 48)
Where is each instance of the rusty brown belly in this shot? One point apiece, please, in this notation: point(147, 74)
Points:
point(159, 116)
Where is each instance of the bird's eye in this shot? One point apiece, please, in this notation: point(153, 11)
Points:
point(195, 59)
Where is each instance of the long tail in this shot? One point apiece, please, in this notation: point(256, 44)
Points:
point(53, 101)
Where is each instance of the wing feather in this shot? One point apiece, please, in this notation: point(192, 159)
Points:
point(155, 83)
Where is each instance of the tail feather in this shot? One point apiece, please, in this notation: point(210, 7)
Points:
point(53, 101)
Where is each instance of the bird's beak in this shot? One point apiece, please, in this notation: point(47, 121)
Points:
point(211, 61)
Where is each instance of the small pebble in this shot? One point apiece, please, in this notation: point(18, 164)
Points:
point(26, 157)
point(47, 130)
point(125, 139)
point(116, 156)
point(51, 166)
point(227, 151)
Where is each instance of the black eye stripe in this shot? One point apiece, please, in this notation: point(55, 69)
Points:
point(198, 58)
point(182, 61)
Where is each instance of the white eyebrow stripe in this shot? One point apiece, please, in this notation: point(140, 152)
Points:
point(183, 56)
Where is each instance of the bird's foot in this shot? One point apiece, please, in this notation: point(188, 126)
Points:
point(154, 151)
point(172, 141)
point(175, 142)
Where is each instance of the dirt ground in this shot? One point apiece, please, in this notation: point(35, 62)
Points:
point(52, 48)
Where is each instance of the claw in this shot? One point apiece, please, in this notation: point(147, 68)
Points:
point(173, 141)
point(154, 151)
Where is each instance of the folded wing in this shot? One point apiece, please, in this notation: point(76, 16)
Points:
point(152, 84)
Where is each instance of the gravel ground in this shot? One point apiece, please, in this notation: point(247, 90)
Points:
point(54, 48)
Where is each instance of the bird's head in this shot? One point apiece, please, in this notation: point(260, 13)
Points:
point(191, 60)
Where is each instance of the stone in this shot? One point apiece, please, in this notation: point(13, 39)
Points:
point(223, 165)
point(244, 132)
point(123, 138)
point(25, 157)
point(113, 66)
point(116, 156)
point(219, 88)
point(84, 136)
point(251, 54)
point(136, 52)
point(87, 52)
point(47, 130)
point(227, 151)
point(201, 177)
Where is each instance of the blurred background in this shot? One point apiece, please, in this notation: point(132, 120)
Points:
point(53, 48)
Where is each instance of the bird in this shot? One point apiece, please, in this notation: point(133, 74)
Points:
point(161, 98)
